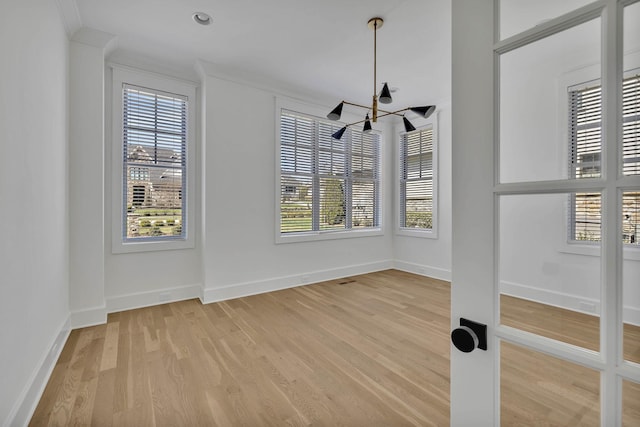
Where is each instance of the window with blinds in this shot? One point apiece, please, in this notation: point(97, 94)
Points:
point(327, 184)
point(154, 136)
point(417, 179)
point(585, 148)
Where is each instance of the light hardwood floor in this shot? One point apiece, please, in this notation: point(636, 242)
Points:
point(369, 350)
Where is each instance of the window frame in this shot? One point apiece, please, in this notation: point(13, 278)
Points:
point(425, 233)
point(317, 112)
point(587, 246)
point(122, 75)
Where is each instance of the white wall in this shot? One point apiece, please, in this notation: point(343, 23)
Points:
point(240, 255)
point(429, 256)
point(235, 251)
point(139, 279)
point(34, 263)
point(86, 176)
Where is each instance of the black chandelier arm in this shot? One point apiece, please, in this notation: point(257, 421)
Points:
point(386, 113)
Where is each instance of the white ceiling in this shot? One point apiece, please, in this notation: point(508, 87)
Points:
point(312, 46)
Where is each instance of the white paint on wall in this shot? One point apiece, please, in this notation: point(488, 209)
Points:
point(240, 197)
point(86, 175)
point(422, 255)
point(34, 262)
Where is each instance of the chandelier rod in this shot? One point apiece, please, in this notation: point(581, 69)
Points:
point(385, 97)
point(375, 61)
point(366, 107)
point(386, 113)
point(374, 113)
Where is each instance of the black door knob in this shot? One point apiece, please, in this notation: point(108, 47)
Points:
point(469, 336)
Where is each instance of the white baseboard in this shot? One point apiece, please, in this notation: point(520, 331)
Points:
point(239, 290)
point(631, 315)
point(26, 403)
point(423, 270)
point(155, 297)
point(88, 317)
point(564, 300)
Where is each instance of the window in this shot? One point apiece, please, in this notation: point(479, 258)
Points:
point(138, 195)
point(138, 174)
point(417, 180)
point(326, 185)
point(152, 155)
point(585, 109)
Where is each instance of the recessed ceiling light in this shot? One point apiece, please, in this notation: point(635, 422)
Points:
point(201, 18)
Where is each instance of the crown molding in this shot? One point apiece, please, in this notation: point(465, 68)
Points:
point(257, 81)
point(70, 16)
point(88, 36)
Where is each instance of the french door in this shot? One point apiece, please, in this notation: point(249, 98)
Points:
point(546, 203)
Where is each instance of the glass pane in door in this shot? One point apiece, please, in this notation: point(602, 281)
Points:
point(630, 404)
point(550, 264)
point(550, 107)
point(540, 390)
point(631, 91)
point(631, 275)
point(631, 198)
point(520, 15)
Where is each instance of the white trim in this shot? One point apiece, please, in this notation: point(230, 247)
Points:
point(238, 290)
point(588, 75)
point(285, 103)
point(565, 300)
point(435, 160)
point(169, 84)
point(611, 295)
point(28, 399)
point(95, 38)
point(89, 317)
point(328, 235)
point(416, 232)
point(70, 16)
point(630, 253)
point(551, 27)
point(548, 297)
point(262, 83)
point(423, 270)
point(152, 298)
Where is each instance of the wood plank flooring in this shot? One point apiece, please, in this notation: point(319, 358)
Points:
point(564, 325)
point(540, 390)
point(339, 353)
point(369, 350)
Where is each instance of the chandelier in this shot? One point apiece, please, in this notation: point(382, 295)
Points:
point(384, 98)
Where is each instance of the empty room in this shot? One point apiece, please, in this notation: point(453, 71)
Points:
point(320, 213)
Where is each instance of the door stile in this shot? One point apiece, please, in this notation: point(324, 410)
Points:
point(611, 244)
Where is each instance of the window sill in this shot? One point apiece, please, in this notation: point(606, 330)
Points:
point(327, 235)
point(151, 246)
point(416, 232)
point(629, 253)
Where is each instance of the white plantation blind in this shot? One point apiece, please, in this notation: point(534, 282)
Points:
point(631, 125)
point(326, 184)
point(154, 135)
point(416, 180)
point(631, 217)
point(585, 148)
